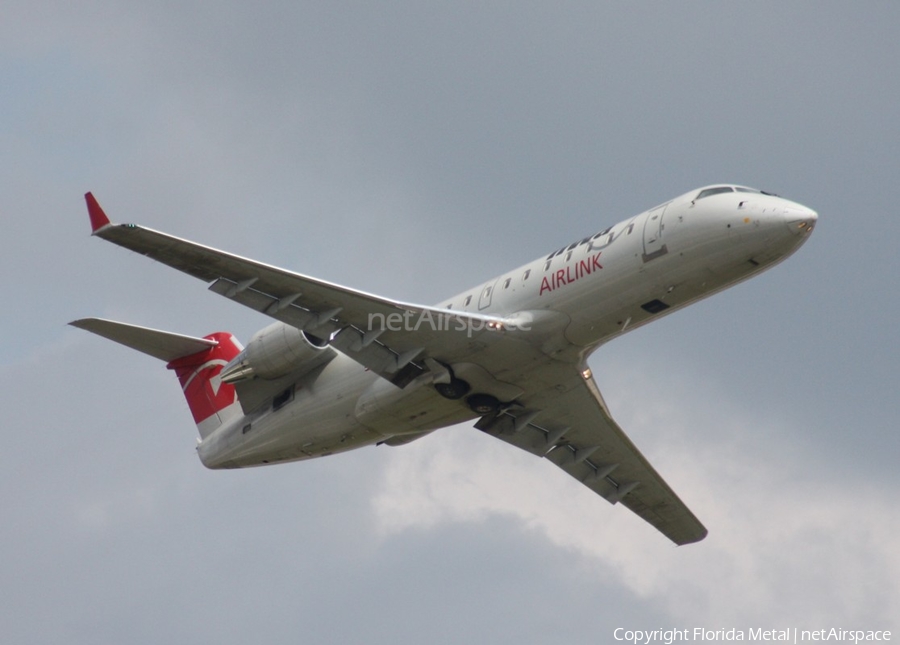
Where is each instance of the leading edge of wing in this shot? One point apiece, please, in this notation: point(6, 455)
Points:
point(130, 236)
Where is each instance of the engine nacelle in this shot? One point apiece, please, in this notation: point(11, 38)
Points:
point(275, 351)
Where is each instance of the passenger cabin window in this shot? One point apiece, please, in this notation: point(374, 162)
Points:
point(714, 191)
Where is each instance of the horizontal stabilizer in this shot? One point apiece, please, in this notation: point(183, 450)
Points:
point(163, 345)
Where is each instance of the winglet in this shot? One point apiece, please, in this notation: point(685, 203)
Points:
point(98, 217)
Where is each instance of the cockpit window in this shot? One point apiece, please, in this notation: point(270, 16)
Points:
point(744, 189)
point(714, 191)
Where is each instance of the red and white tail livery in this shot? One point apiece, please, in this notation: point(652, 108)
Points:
point(211, 401)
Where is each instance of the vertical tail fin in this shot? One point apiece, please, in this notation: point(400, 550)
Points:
point(211, 401)
point(197, 363)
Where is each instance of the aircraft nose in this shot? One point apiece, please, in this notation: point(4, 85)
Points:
point(800, 220)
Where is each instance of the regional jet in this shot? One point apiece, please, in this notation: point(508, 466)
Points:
point(340, 369)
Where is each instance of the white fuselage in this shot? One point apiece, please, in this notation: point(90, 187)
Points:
point(577, 298)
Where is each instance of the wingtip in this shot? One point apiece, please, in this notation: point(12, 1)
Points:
point(81, 323)
point(693, 539)
point(98, 217)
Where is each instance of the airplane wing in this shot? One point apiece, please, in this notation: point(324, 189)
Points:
point(557, 411)
point(570, 425)
point(372, 330)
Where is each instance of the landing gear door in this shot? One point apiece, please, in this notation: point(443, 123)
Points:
point(654, 245)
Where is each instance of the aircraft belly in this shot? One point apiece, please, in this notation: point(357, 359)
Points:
point(318, 421)
point(283, 436)
point(401, 412)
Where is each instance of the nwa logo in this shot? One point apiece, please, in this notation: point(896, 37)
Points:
point(198, 374)
point(204, 390)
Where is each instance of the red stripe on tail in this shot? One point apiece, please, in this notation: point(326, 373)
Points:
point(198, 374)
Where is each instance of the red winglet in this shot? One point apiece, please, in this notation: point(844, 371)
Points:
point(98, 217)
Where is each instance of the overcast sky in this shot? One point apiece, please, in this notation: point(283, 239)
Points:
point(414, 150)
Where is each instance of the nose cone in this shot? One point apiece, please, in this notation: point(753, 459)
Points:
point(800, 220)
